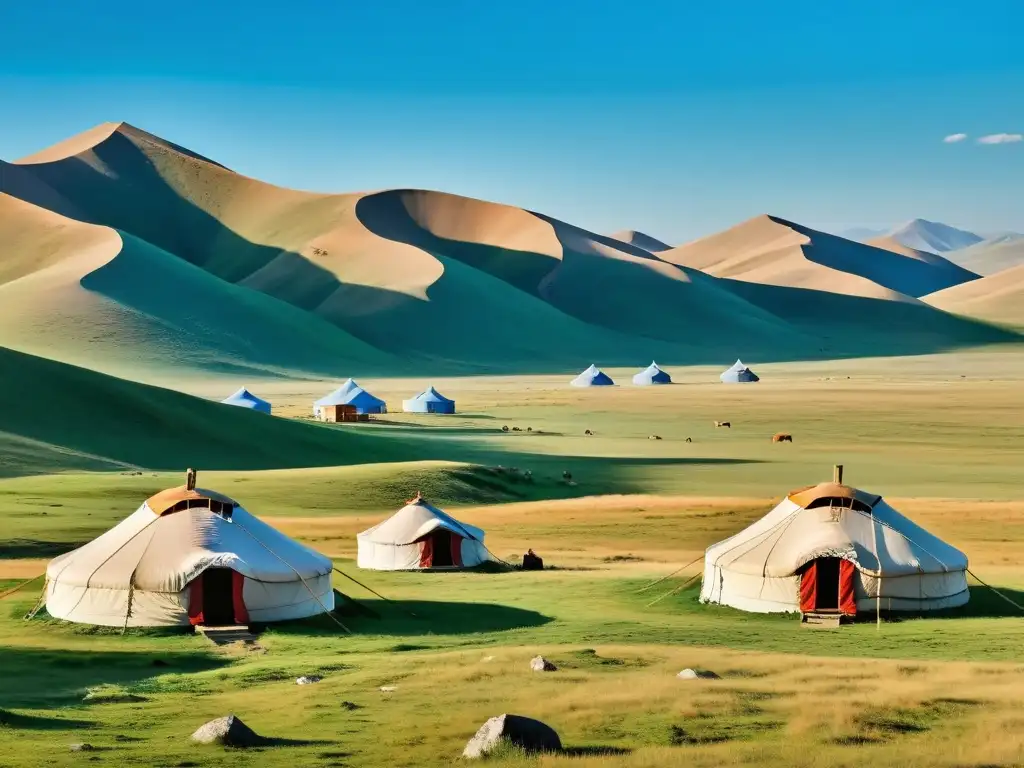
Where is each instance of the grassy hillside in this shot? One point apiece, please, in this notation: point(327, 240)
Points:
point(58, 416)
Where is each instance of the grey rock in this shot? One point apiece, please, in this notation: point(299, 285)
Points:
point(228, 731)
point(698, 674)
point(308, 679)
point(540, 664)
point(83, 747)
point(524, 732)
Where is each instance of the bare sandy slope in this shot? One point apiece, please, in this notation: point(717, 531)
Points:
point(997, 298)
point(773, 251)
point(991, 256)
point(641, 240)
point(89, 295)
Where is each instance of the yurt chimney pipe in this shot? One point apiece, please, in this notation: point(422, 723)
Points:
point(837, 474)
point(190, 480)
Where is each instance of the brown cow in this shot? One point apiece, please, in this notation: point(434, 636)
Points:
point(724, 424)
point(782, 437)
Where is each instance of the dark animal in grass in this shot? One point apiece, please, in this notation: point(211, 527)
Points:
point(504, 428)
point(689, 439)
point(588, 432)
point(567, 475)
point(782, 437)
point(654, 437)
point(532, 561)
point(516, 429)
point(529, 429)
point(727, 424)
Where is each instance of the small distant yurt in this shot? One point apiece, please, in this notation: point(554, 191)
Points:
point(243, 398)
point(739, 374)
point(189, 556)
point(420, 536)
point(352, 394)
point(831, 548)
point(429, 401)
point(592, 377)
point(650, 375)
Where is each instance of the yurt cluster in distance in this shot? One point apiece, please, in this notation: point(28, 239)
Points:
point(654, 375)
point(350, 402)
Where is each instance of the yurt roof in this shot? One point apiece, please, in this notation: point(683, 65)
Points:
point(414, 521)
point(342, 394)
point(806, 496)
point(164, 502)
point(432, 395)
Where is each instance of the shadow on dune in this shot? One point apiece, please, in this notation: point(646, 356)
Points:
point(44, 678)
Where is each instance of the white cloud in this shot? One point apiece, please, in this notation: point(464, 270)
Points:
point(953, 138)
point(1001, 138)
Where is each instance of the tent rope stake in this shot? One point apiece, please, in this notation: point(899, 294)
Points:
point(373, 591)
point(12, 590)
point(1014, 603)
point(666, 578)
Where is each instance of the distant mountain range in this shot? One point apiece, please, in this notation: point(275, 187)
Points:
point(126, 253)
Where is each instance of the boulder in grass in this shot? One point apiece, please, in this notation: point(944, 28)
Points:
point(82, 747)
point(697, 674)
point(540, 664)
point(228, 731)
point(524, 732)
point(308, 679)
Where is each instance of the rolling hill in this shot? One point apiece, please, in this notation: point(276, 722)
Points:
point(94, 296)
point(171, 261)
point(641, 240)
point(773, 251)
point(997, 298)
point(59, 417)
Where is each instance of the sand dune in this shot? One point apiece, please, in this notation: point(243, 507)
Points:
point(439, 281)
point(641, 240)
point(773, 251)
point(991, 256)
point(997, 298)
point(90, 295)
point(932, 236)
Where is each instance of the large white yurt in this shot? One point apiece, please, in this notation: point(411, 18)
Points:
point(189, 556)
point(651, 375)
point(833, 548)
point(420, 536)
point(352, 394)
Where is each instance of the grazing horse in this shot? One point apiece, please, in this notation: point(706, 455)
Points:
point(504, 428)
point(782, 437)
point(588, 432)
point(689, 439)
point(727, 424)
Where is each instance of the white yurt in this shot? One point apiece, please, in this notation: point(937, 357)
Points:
point(352, 394)
point(593, 377)
point(420, 536)
point(834, 548)
point(738, 373)
point(652, 375)
point(189, 556)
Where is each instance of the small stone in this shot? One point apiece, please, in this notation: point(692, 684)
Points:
point(82, 747)
point(540, 664)
point(524, 732)
point(308, 679)
point(697, 674)
point(388, 688)
point(487, 658)
point(229, 731)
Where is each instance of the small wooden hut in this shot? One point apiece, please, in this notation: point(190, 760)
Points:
point(340, 413)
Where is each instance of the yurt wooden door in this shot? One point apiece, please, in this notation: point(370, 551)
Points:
point(216, 599)
point(826, 586)
point(441, 549)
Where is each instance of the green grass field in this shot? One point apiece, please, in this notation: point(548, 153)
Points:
point(943, 691)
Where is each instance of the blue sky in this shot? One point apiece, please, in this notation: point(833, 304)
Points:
point(675, 118)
